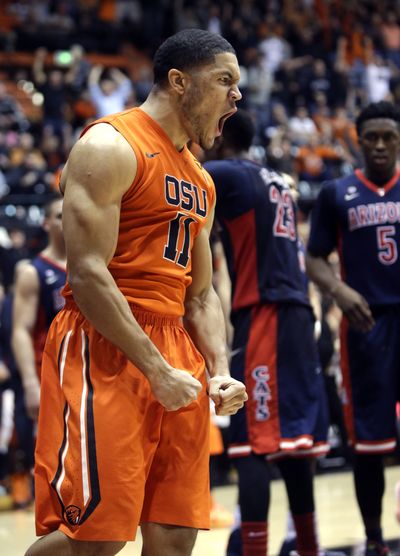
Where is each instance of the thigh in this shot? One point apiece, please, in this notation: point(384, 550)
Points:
point(91, 453)
point(59, 543)
point(177, 486)
point(370, 376)
point(301, 389)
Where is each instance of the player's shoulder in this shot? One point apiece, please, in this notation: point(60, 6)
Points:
point(27, 274)
point(335, 188)
point(102, 159)
point(100, 137)
point(102, 151)
point(219, 167)
point(231, 170)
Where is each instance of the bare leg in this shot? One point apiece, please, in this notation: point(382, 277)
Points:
point(167, 540)
point(60, 544)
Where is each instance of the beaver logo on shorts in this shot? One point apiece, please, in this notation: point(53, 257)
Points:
point(73, 515)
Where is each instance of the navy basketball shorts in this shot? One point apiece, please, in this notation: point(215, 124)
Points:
point(371, 378)
point(274, 353)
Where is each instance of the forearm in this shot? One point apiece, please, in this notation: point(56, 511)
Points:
point(321, 272)
point(24, 353)
point(204, 321)
point(104, 306)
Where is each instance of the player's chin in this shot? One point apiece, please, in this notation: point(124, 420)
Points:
point(207, 143)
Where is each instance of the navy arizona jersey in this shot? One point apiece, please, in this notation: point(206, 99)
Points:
point(51, 282)
point(363, 222)
point(257, 215)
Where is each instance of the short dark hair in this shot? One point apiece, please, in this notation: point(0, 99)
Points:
point(382, 109)
point(239, 131)
point(187, 49)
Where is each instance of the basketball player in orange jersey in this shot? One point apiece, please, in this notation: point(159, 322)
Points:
point(124, 415)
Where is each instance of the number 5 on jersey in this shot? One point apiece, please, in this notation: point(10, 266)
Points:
point(387, 246)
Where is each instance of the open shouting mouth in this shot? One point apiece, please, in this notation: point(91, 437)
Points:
point(223, 119)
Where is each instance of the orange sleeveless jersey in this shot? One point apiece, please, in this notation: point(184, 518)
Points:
point(161, 214)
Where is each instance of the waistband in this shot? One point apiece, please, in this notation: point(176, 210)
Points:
point(141, 315)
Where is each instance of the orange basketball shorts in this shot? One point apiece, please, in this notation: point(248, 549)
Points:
point(108, 456)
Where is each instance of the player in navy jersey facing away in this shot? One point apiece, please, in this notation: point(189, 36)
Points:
point(37, 300)
point(273, 349)
point(359, 215)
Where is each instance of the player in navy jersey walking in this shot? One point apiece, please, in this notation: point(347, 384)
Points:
point(273, 349)
point(37, 300)
point(359, 215)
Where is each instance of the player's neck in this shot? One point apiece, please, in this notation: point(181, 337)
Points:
point(55, 254)
point(232, 153)
point(379, 178)
point(160, 108)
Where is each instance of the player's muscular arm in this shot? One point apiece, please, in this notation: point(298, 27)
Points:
point(25, 308)
point(204, 321)
point(100, 170)
point(353, 305)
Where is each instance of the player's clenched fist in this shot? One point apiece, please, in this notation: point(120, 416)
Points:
point(228, 394)
point(175, 389)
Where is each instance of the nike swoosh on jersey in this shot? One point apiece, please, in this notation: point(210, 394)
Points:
point(151, 155)
point(51, 280)
point(351, 196)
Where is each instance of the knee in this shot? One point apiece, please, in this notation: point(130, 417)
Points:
point(183, 542)
point(79, 548)
point(108, 548)
point(167, 540)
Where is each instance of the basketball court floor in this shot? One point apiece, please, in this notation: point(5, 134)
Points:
point(338, 519)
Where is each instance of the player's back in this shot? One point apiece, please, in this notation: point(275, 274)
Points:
point(257, 215)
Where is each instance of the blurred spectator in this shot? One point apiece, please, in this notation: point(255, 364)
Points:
point(53, 86)
point(11, 115)
point(377, 79)
point(109, 95)
point(321, 112)
point(143, 83)
point(279, 120)
point(11, 254)
point(257, 83)
point(30, 176)
point(301, 126)
point(280, 153)
point(214, 20)
point(319, 81)
point(51, 149)
point(317, 156)
point(344, 132)
point(79, 69)
point(83, 110)
point(390, 30)
point(273, 46)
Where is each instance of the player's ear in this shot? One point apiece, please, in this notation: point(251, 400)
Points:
point(177, 80)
